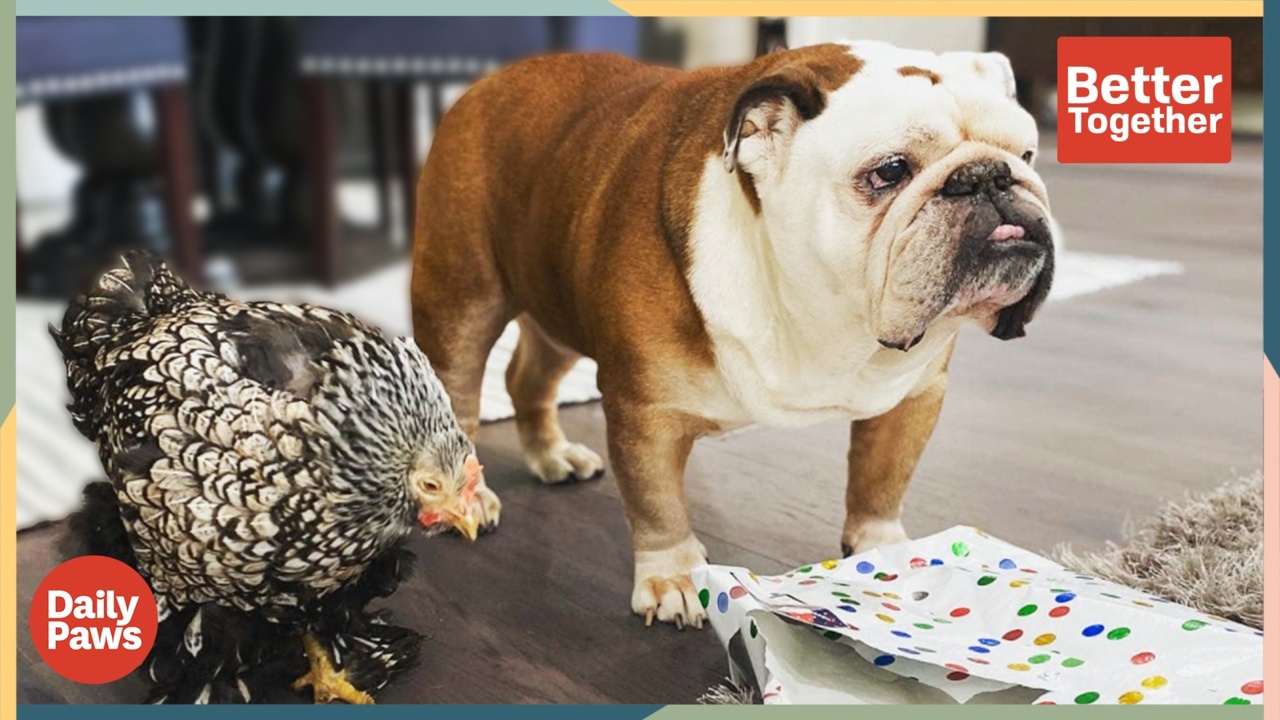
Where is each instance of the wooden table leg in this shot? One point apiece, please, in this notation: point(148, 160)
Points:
point(322, 175)
point(178, 159)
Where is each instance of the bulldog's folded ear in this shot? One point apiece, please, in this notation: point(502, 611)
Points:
point(987, 67)
point(768, 112)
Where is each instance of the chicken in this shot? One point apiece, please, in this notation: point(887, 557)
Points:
point(267, 463)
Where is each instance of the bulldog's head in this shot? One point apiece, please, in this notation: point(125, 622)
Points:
point(905, 180)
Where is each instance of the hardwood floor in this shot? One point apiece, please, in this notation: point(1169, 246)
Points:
point(1115, 402)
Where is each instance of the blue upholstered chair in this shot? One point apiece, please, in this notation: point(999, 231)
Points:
point(399, 53)
point(94, 75)
point(64, 57)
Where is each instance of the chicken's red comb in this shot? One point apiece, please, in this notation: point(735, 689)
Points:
point(472, 467)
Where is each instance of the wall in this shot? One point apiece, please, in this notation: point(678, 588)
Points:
point(715, 42)
point(937, 34)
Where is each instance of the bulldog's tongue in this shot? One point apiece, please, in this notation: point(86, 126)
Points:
point(1007, 232)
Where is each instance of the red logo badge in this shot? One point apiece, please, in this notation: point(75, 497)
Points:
point(1144, 100)
point(93, 619)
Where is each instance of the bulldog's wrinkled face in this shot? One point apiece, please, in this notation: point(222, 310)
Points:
point(908, 189)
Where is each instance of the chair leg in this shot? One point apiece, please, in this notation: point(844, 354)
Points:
point(322, 175)
point(382, 122)
point(177, 156)
point(410, 163)
point(436, 99)
point(771, 35)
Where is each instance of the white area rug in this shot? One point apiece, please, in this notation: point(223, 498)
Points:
point(1080, 273)
point(54, 462)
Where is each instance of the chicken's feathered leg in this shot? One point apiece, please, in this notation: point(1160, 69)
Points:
point(326, 682)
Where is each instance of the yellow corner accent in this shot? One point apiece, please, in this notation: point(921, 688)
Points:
point(9, 566)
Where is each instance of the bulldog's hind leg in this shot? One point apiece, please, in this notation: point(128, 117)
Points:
point(457, 317)
point(883, 452)
point(533, 377)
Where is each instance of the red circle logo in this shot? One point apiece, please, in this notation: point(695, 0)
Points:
point(93, 619)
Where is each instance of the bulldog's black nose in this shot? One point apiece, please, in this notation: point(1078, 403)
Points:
point(978, 176)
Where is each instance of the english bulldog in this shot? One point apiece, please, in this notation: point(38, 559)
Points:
point(788, 241)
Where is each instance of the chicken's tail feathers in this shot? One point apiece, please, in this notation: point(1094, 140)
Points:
point(104, 317)
point(161, 290)
point(141, 286)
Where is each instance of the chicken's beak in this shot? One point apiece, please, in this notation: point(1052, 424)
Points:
point(465, 520)
point(466, 523)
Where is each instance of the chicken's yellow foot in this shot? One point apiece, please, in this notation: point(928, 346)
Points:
point(327, 684)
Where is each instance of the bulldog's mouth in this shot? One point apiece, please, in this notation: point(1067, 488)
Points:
point(1014, 240)
point(1008, 236)
point(903, 345)
point(1006, 232)
point(999, 268)
point(1020, 271)
point(1000, 271)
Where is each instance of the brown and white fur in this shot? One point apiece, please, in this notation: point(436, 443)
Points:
point(722, 244)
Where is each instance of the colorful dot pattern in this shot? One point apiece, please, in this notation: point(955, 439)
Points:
point(1058, 626)
point(1155, 682)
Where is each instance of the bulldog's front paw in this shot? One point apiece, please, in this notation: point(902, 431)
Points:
point(485, 508)
point(864, 535)
point(663, 588)
point(564, 461)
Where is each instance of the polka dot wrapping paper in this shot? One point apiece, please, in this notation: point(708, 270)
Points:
point(960, 616)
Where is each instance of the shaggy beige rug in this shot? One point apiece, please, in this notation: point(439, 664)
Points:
point(1203, 551)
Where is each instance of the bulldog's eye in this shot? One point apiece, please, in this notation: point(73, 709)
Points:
point(890, 173)
point(1028, 156)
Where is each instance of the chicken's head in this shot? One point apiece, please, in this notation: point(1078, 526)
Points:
point(444, 494)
